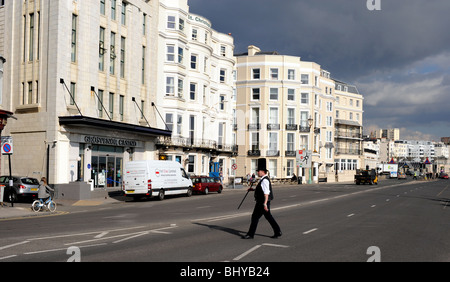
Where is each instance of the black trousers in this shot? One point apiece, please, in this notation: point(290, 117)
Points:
point(259, 211)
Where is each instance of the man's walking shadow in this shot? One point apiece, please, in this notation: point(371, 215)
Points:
point(227, 229)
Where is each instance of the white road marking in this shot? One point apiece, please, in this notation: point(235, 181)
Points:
point(350, 215)
point(132, 237)
point(83, 234)
point(247, 252)
point(101, 234)
point(11, 256)
point(13, 245)
point(275, 245)
point(309, 231)
point(62, 249)
point(257, 247)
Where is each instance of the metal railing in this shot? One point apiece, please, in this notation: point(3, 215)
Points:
point(195, 143)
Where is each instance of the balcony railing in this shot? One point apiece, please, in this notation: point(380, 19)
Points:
point(347, 134)
point(304, 128)
point(193, 143)
point(273, 126)
point(291, 127)
point(272, 153)
point(254, 153)
point(347, 151)
point(254, 126)
point(290, 153)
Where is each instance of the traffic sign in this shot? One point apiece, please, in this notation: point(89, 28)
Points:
point(234, 166)
point(7, 145)
point(303, 158)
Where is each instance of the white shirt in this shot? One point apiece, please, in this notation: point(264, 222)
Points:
point(265, 185)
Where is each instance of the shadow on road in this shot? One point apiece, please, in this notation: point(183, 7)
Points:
point(232, 231)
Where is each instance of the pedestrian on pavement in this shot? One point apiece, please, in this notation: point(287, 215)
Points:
point(415, 175)
point(263, 196)
point(44, 189)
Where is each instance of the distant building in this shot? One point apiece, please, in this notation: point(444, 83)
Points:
point(445, 140)
point(389, 134)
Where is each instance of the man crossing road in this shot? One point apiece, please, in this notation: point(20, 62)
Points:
point(263, 196)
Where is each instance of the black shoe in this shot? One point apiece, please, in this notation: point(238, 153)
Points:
point(247, 237)
point(276, 235)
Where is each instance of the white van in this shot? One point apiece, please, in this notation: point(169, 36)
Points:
point(155, 179)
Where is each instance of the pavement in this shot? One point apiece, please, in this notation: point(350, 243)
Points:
point(23, 209)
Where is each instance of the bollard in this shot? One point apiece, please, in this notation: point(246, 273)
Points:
point(2, 190)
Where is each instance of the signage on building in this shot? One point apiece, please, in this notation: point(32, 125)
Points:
point(109, 141)
point(200, 20)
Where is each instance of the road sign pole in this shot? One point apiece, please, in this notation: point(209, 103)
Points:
point(10, 179)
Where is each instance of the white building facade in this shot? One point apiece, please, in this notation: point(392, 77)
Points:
point(195, 95)
point(81, 80)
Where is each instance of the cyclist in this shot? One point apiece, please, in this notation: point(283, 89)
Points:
point(43, 190)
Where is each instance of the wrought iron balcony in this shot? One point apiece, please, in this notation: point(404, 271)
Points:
point(192, 143)
point(291, 127)
point(272, 153)
point(273, 126)
point(347, 134)
point(305, 128)
point(347, 151)
point(254, 126)
point(254, 153)
point(290, 153)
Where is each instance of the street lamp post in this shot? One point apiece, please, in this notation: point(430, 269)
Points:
point(310, 123)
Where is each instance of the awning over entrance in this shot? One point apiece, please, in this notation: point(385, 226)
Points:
point(113, 125)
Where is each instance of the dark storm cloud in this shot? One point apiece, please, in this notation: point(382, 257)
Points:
point(343, 35)
point(382, 52)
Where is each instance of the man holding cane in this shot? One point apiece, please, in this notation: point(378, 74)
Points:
point(263, 196)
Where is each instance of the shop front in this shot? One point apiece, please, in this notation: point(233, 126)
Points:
point(98, 150)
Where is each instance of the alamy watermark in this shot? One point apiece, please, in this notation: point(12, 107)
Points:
point(374, 5)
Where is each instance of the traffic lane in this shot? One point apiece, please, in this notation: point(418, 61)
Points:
point(178, 209)
point(107, 219)
point(172, 208)
point(218, 239)
point(410, 227)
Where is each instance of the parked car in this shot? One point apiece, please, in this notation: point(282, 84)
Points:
point(23, 187)
point(401, 175)
point(205, 184)
point(443, 175)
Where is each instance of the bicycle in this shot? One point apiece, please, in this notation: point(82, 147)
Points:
point(49, 204)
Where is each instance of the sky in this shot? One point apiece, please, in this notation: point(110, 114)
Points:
point(398, 56)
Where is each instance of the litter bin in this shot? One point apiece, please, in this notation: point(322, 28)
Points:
point(91, 182)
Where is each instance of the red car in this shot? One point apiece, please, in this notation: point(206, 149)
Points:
point(443, 175)
point(205, 184)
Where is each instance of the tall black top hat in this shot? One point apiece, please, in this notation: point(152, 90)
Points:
point(262, 165)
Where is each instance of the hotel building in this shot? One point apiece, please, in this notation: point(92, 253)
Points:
point(348, 131)
point(196, 90)
point(95, 84)
point(285, 105)
point(80, 78)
